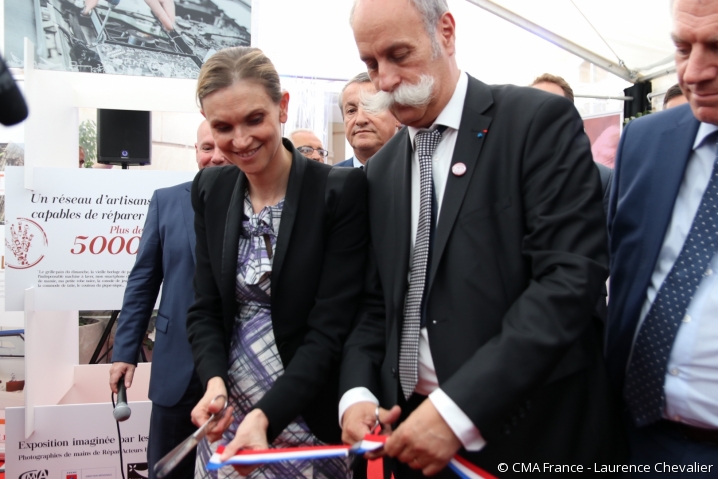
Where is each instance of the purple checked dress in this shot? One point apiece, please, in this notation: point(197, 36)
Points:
point(254, 362)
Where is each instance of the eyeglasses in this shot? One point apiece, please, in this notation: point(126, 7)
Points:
point(308, 150)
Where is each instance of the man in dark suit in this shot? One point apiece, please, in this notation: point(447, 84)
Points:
point(165, 257)
point(559, 86)
point(662, 337)
point(488, 255)
point(366, 131)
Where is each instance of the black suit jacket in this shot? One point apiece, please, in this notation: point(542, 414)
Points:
point(316, 283)
point(517, 266)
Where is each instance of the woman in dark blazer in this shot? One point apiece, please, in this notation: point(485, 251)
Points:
point(280, 263)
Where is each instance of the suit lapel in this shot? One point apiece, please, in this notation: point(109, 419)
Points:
point(675, 146)
point(188, 214)
point(232, 230)
point(400, 220)
point(289, 212)
point(471, 137)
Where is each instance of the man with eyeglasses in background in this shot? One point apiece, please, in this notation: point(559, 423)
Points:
point(308, 144)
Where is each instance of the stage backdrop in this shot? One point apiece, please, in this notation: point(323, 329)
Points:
point(75, 235)
point(77, 441)
point(140, 37)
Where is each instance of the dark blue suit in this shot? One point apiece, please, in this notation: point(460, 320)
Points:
point(165, 257)
point(346, 163)
point(650, 165)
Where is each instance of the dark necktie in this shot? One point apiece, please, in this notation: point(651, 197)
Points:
point(426, 143)
point(646, 372)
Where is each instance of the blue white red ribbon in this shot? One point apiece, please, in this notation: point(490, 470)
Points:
point(461, 467)
point(465, 470)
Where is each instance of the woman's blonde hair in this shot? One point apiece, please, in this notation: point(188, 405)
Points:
point(231, 65)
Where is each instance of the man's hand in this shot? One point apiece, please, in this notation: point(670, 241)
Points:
point(118, 370)
point(251, 434)
point(360, 418)
point(208, 406)
point(423, 441)
point(164, 10)
point(89, 6)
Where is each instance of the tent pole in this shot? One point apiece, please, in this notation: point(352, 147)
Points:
point(616, 68)
point(659, 74)
point(604, 97)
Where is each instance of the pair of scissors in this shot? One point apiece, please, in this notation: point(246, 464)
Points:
point(358, 445)
point(165, 465)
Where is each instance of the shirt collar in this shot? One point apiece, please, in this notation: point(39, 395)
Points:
point(450, 116)
point(704, 131)
point(355, 162)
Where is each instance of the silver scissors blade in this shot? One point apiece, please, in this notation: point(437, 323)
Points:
point(165, 465)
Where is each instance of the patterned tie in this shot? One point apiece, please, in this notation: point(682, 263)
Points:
point(647, 368)
point(426, 143)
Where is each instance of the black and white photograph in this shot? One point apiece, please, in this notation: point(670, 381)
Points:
point(162, 38)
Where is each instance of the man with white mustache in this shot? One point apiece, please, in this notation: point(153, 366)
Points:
point(477, 334)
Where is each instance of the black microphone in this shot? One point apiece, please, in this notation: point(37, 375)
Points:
point(122, 410)
point(12, 105)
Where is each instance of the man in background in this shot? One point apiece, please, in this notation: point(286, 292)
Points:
point(674, 96)
point(662, 337)
point(165, 258)
point(553, 84)
point(308, 144)
point(366, 131)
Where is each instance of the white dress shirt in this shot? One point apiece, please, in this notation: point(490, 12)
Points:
point(691, 385)
point(356, 163)
point(428, 384)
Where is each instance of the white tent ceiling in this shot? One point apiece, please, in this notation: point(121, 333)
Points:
point(631, 35)
point(312, 38)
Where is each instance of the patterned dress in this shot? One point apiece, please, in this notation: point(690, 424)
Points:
point(254, 361)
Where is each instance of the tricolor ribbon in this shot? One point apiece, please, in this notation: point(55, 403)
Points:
point(463, 468)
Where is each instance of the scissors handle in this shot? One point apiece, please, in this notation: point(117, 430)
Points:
point(165, 465)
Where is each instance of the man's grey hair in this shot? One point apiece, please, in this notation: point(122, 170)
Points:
point(300, 130)
point(430, 11)
point(363, 77)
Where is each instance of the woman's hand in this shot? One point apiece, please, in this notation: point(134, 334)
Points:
point(251, 434)
point(208, 406)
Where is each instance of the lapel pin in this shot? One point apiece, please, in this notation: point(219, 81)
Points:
point(458, 169)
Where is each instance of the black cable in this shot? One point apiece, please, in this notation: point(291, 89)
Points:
point(119, 436)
